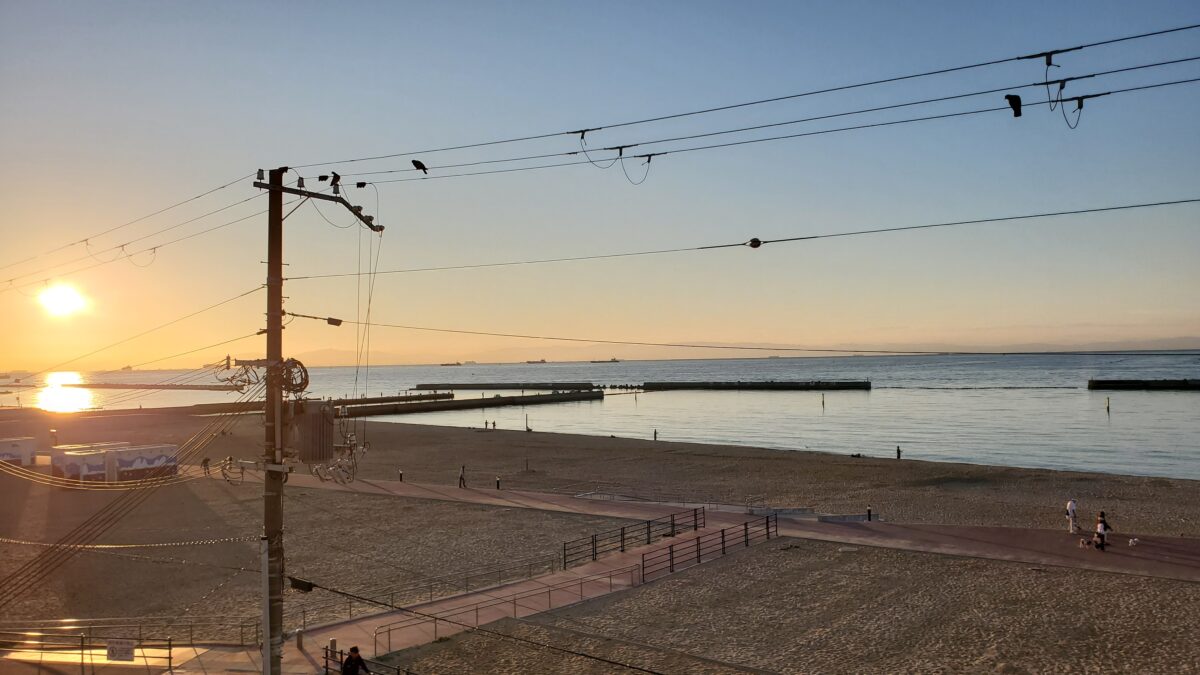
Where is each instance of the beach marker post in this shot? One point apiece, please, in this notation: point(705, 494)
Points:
point(868, 513)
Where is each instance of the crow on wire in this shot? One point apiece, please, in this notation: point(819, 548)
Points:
point(1014, 102)
point(420, 166)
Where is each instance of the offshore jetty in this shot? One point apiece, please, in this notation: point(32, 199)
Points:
point(536, 386)
point(1146, 385)
point(760, 386)
point(469, 403)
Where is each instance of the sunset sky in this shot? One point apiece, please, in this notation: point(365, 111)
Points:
point(111, 111)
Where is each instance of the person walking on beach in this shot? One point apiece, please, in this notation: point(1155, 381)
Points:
point(1102, 530)
point(462, 476)
point(204, 465)
point(1072, 524)
point(354, 663)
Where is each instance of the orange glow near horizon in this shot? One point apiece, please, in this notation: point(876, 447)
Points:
point(62, 300)
point(54, 397)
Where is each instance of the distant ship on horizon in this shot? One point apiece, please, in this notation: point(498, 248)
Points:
point(612, 360)
point(538, 361)
point(456, 363)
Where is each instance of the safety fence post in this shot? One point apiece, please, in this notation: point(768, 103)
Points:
point(746, 532)
point(722, 541)
point(671, 552)
point(622, 539)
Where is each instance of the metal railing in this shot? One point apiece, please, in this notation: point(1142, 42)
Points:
point(464, 617)
point(339, 657)
point(674, 557)
point(304, 616)
point(590, 548)
point(148, 629)
point(89, 648)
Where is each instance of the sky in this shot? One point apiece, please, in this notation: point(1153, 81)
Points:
point(112, 111)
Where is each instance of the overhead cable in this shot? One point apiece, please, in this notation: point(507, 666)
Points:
point(757, 348)
point(910, 120)
point(131, 222)
point(148, 331)
point(478, 629)
point(582, 132)
point(621, 148)
point(752, 243)
point(119, 250)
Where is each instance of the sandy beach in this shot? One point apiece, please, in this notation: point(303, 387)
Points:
point(789, 606)
point(795, 606)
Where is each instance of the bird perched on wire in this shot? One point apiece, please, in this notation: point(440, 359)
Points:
point(1014, 102)
point(420, 166)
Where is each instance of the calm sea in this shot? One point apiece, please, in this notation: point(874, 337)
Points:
point(1031, 411)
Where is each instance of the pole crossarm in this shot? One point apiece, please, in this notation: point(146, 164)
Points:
point(369, 221)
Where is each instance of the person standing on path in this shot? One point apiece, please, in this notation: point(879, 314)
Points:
point(1102, 530)
point(354, 663)
point(204, 465)
point(1072, 524)
point(462, 476)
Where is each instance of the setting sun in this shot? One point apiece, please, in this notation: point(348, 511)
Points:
point(62, 300)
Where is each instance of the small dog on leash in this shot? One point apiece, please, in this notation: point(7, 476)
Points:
point(1133, 542)
point(1084, 542)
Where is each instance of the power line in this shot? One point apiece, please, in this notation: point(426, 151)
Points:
point(583, 131)
point(130, 255)
point(21, 580)
point(758, 127)
point(148, 331)
point(752, 242)
point(120, 248)
point(480, 629)
point(131, 222)
point(811, 350)
point(910, 120)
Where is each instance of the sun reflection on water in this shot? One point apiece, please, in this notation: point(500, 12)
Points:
point(54, 397)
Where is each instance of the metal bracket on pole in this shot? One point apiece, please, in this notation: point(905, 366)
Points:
point(369, 221)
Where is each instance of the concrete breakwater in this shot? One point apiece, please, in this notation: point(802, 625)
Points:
point(760, 386)
point(542, 386)
point(1152, 385)
point(471, 403)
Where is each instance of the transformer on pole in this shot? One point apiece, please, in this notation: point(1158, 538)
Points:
point(274, 469)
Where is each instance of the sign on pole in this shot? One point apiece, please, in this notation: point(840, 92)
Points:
point(120, 649)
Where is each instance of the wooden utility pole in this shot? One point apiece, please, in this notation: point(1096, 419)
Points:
point(273, 447)
point(274, 469)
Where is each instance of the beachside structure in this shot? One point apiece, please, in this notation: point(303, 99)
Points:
point(113, 461)
point(65, 460)
point(21, 451)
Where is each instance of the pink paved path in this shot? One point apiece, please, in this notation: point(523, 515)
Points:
point(1156, 556)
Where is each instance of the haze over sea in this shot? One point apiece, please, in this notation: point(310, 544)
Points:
point(1026, 410)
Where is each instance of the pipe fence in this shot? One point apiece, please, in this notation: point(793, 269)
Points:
point(90, 649)
point(674, 557)
point(587, 549)
point(312, 614)
point(521, 603)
